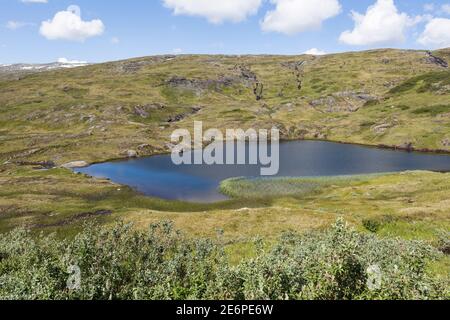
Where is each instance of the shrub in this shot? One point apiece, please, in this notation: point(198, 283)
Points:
point(122, 263)
point(372, 225)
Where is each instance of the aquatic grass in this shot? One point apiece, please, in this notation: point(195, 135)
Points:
point(242, 188)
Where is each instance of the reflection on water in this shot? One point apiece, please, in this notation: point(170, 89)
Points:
point(158, 176)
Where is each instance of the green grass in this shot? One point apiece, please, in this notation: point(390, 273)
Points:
point(432, 110)
point(243, 188)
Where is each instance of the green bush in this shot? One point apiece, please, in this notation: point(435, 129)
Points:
point(372, 225)
point(121, 263)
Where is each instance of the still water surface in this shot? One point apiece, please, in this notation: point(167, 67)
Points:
point(157, 176)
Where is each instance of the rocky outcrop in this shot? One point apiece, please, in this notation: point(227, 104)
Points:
point(131, 67)
point(345, 101)
point(182, 116)
point(144, 111)
point(131, 153)
point(297, 68)
point(381, 128)
point(246, 74)
point(39, 164)
point(432, 59)
point(293, 65)
point(408, 146)
point(75, 164)
point(303, 131)
point(258, 90)
point(198, 86)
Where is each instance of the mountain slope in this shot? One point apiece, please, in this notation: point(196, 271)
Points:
point(94, 113)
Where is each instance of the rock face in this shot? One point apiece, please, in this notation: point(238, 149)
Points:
point(446, 142)
point(345, 101)
point(246, 74)
point(132, 67)
point(297, 68)
point(258, 90)
point(408, 146)
point(181, 116)
point(75, 164)
point(144, 111)
point(40, 164)
point(385, 126)
point(200, 85)
point(436, 60)
point(131, 153)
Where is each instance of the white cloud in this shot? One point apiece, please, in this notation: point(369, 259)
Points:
point(436, 34)
point(68, 25)
point(315, 52)
point(177, 51)
point(34, 1)
point(294, 16)
point(215, 11)
point(14, 25)
point(115, 40)
point(382, 24)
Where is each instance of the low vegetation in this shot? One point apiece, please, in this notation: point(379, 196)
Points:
point(161, 263)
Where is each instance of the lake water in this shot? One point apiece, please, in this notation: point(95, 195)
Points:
point(157, 176)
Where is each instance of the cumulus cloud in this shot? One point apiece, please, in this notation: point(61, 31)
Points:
point(436, 33)
point(382, 24)
point(315, 52)
point(294, 16)
point(215, 11)
point(68, 25)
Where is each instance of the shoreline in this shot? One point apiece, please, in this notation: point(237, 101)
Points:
point(372, 146)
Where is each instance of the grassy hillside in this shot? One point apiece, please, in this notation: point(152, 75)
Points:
point(94, 113)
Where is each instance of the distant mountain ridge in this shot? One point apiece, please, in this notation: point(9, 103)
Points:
point(20, 68)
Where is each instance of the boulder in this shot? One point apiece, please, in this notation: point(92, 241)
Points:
point(131, 154)
point(75, 164)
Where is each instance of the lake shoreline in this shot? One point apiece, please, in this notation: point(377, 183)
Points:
point(373, 146)
point(157, 176)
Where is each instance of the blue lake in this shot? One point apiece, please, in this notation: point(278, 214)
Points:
point(157, 176)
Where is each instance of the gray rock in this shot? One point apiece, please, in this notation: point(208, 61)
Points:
point(75, 164)
point(131, 154)
point(431, 59)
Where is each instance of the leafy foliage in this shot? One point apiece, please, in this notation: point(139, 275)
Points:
point(121, 263)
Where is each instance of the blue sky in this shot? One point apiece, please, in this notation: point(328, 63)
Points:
point(112, 30)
